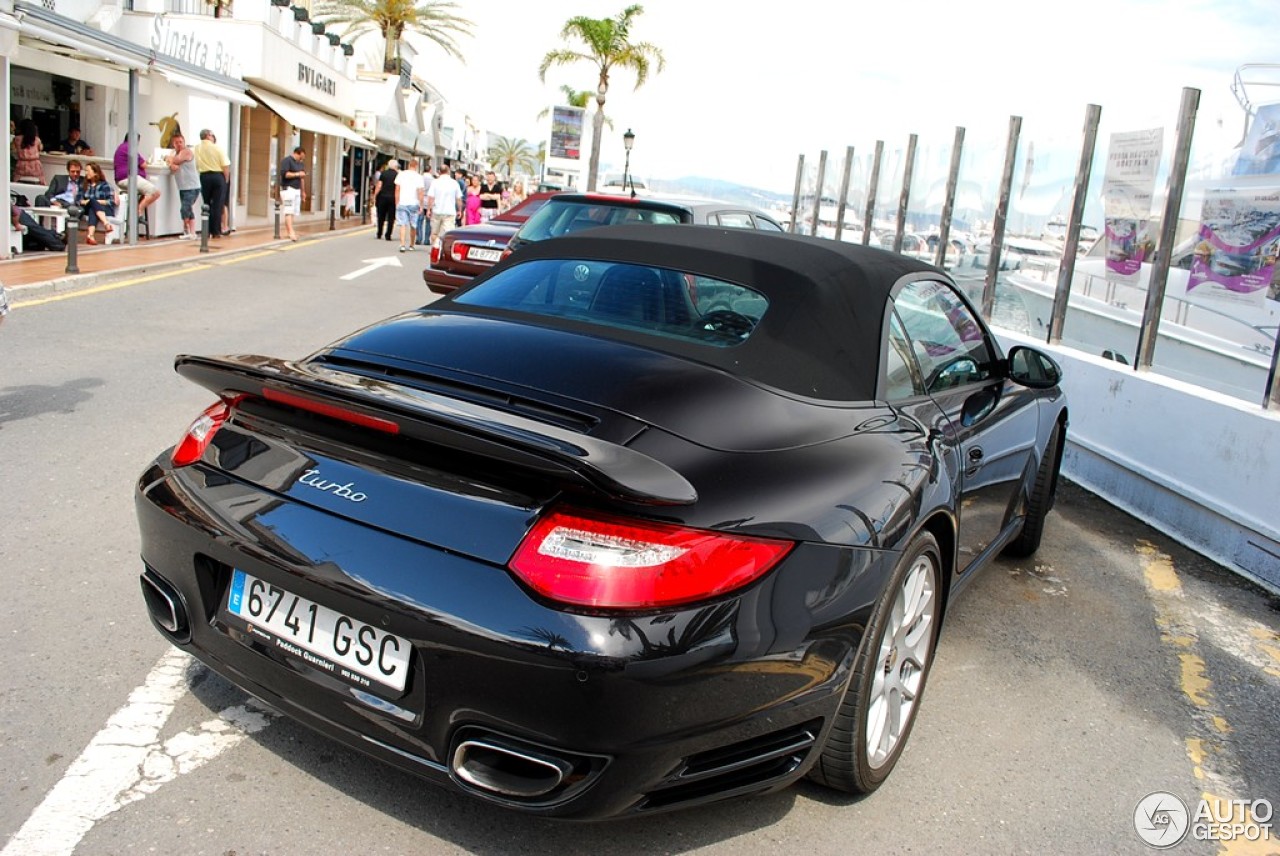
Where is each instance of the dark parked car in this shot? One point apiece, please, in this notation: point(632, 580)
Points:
point(573, 212)
point(643, 518)
point(469, 251)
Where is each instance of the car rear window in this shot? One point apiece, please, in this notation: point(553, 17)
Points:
point(656, 300)
point(564, 217)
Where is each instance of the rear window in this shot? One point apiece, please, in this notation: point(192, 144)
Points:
point(562, 217)
point(656, 300)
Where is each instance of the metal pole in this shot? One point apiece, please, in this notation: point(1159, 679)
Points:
point(276, 228)
point(1168, 230)
point(817, 196)
point(131, 139)
point(73, 237)
point(1067, 270)
point(953, 179)
point(1001, 217)
point(795, 199)
point(908, 167)
point(204, 228)
point(1271, 395)
point(331, 216)
point(233, 177)
point(873, 187)
point(844, 191)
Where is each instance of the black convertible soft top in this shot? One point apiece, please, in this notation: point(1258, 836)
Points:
point(821, 335)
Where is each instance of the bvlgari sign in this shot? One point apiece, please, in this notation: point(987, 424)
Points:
point(316, 79)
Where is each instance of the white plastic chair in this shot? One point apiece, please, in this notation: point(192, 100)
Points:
point(118, 221)
point(15, 240)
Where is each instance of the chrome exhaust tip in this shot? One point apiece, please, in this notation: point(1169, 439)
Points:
point(165, 605)
point(494, 766)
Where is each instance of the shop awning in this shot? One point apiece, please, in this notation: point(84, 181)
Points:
point(304, 117)
point(226, 93)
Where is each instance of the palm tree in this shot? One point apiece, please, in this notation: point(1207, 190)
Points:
point(392, 19)
point(607, 45)
point(575, 98)
point(513, 155)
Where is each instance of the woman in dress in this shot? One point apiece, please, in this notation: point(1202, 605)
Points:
point(99, 200)
point(473, 201)
point(26, 151)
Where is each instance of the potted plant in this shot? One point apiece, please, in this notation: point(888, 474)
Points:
point(300, 13)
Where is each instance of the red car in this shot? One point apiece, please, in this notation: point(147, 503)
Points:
point(469, 251)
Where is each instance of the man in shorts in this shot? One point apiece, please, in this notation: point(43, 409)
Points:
point(146, 189)
point(408, 203)
point(293, 171)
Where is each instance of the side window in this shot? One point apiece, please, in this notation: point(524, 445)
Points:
point(735, 219)
point(767, 225)
point(901, 373)
point(946, 337)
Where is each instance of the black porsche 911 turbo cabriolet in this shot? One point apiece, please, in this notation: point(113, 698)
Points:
point(642, 518)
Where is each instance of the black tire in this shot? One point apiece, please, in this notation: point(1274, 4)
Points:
point(846, 762)
point(1042, 496)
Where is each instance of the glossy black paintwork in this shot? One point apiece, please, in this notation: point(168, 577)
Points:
point(423, 554)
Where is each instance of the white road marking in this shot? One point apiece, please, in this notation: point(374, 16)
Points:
point(372, 265)
point(125, 761)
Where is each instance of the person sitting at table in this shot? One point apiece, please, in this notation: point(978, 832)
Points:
point(73, 145)
point(146, 189)
point(99, 198)
point(64, 188)
point(34, 236)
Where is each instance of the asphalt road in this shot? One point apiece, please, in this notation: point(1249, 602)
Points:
point(1066, 688)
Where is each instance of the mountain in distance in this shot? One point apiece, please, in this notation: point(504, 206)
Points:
point(714, 188)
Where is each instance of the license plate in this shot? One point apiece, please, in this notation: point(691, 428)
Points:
point(323, 637)
point(482, 254)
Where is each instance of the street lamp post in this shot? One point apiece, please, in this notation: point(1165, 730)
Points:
point(628, 140)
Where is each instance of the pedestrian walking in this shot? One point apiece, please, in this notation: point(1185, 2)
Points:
point(424, 222)
point(215, 174)
point(475, 202)
point(408, 189)
point(445, 204)
point(293, 174)
point(491, 193)
point(384, 198)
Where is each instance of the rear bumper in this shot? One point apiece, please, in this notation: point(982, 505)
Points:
point(647, 713)
point(443, 282)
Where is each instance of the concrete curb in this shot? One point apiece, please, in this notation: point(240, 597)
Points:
point(73, 282)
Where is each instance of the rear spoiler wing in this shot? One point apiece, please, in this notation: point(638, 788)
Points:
point(616, 470)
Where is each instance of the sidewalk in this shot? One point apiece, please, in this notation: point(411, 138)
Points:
point(40, 274)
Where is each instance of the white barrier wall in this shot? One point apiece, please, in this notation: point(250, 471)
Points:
point(1201, 467)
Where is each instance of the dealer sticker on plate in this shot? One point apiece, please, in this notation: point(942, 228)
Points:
point(326, 639)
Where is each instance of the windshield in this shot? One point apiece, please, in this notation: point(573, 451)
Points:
point(563, 217)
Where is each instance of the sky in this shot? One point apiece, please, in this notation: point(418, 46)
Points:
point(747, 87)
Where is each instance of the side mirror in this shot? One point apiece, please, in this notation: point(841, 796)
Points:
point(1033, 368)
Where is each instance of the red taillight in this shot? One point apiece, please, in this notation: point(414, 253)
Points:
point(506, 254)
point(588, 559)
point(333, 411)
point(193, 443)
point(456, 252)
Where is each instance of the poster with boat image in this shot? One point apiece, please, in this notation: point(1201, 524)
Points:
point(1239, 241)
point(1127, 189)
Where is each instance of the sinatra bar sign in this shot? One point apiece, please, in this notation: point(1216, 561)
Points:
point(189, 47)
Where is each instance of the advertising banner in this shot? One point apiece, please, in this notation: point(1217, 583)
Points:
point(1235, 257)
point(1260, 151)
point(1127, 189)
point(566, 133)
